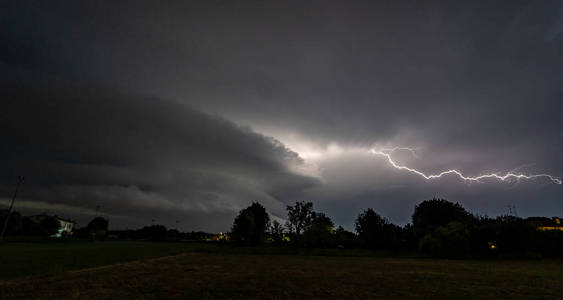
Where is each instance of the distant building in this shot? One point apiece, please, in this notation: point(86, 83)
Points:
point(543, 223)
point(222, 236)
point(65, 228)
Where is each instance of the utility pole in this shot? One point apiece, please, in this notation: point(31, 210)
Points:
point(20, 181)
point(514, 210)
point(509, 207)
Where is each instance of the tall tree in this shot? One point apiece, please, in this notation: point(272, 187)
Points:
point(299, 216)
point(251, 224)
point(430, 214)
point(375, 231)
point(320, 231)
point(98, 227)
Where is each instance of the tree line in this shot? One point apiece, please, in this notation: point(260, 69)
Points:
point(19, 225)
point(439, 228)
point(96, 229)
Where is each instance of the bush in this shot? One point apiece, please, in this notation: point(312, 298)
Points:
point(447, 241)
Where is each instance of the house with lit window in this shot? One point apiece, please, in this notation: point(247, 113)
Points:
point(544, 224)
point(65, 227)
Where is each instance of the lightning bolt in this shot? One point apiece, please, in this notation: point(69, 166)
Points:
point(386, 152)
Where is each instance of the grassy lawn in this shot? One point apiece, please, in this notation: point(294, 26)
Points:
point(20, 259)
point(29, 259)
point(223, 271)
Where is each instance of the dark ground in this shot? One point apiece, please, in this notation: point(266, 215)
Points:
point(193, 270)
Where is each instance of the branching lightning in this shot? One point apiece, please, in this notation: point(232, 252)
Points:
point(386, 152)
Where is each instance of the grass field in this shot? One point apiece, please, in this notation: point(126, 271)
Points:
point(193, 270)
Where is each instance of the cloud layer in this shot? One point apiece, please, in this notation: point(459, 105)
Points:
point(475, 86)
point(138, 157)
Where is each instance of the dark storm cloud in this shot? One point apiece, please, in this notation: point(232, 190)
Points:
point(355, 73)
point(474, 85)
point(136, 156)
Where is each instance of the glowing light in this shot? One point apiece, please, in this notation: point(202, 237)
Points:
point(386, 152)
point(545, 228)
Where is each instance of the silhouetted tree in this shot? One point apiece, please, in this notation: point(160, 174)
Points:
point(409, 240)
point(514, 235)
point(49, 225)
point(251, 223)
point(14, 222)
point(451, 240)
point(345, 238)
point(377, 232)
point(430, 214)
point(277, 231)
point(81, 232)
point(30, 227)
point(320, 231)
point(299, 216)
point(153, 232)
point(372, 229)
point(550, 242)
point(98, 227)
point(172, 233)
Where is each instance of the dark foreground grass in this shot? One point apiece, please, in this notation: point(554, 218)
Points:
point(29, 259)
point(216, 271)
point(21, 259)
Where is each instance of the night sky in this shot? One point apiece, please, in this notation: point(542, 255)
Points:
point(192, 110)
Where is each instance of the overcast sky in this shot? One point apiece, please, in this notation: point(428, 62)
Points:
point(191, 110)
